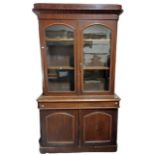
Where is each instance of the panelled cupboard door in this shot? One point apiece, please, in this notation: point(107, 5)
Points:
point(98, 127)
point(59, 127)
point(97, 56)
point(58, 40)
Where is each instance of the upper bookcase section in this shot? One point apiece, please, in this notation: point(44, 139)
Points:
point(77, 8)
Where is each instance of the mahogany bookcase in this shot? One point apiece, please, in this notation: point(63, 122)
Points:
point(78, 106)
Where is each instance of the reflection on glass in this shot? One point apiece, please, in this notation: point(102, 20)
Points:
point(96, 57)
point(59, 32)
point(96, 80)
point(60, 58)
point(60, 55)
point(61, 80)
point(97, 46)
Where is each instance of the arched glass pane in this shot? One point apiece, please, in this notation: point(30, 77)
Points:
point(59, 32)
point(96, 58)
point(60, 58)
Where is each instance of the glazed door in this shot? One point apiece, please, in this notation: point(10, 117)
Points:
point(98, 127)
point(59, 127)
point(97, 56)
point(58, 46)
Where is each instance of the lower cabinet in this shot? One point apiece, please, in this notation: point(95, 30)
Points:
point(78, 128)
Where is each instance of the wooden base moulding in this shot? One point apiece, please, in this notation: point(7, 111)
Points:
point(108, 148)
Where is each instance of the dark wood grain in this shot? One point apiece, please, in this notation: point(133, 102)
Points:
point(104, 148)
point(98, 127)
point(78, 98)
point(59, 127)
point(104, 8)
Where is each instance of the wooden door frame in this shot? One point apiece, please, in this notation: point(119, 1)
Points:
point(111, 24)
point(43, 24)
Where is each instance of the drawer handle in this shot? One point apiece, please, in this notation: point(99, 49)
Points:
point(42, 106)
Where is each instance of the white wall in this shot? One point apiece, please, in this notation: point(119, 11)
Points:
point(20, 77)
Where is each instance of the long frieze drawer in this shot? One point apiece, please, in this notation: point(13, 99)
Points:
point(78, 105)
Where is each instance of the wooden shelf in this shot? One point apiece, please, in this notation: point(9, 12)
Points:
point(52, 75)
point(96, 53)
point(95, 68)
point(97, 40)
point(60, 39)
point(61, 68)
point(94, 41)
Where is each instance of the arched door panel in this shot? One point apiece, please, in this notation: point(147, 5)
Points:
point(97, 126)
point(59, 127)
